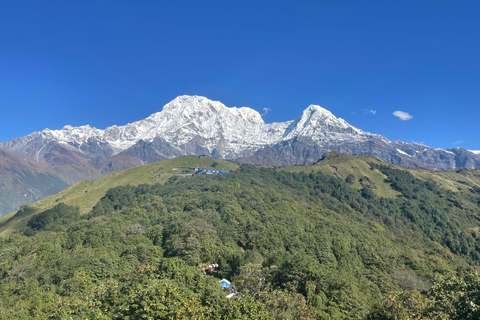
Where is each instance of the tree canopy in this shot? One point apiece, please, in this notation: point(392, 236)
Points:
point(294, 245)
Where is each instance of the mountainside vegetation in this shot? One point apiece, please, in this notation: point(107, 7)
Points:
point(85, 194)
point(349, 237)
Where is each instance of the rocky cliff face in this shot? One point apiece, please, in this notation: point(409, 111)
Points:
point(306, 151)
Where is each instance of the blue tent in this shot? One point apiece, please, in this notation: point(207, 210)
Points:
point(226, 284)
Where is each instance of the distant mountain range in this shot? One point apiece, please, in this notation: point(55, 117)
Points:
point(193, 125)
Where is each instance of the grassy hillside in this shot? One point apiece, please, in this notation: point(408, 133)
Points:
point(342, 165)
point(85, 194)
point(303, 242)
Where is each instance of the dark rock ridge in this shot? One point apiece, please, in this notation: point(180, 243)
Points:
point(306, 151)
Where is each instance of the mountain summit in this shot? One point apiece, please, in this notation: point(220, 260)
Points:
point(194, 125)
point(188, 124)
point(319, 124)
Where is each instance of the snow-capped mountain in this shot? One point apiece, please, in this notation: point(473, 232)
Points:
point(42, 163)
point(197, 125)
point(320, 124)
point(215, 128)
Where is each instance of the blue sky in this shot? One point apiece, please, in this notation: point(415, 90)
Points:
point(114, 62)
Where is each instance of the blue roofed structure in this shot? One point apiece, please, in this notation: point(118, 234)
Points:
point(210, 171)
point(226, 284)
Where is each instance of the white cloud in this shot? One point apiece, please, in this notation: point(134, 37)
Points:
point(265, 111)
point(403, 115)
point(369, 111)
point(458, 142)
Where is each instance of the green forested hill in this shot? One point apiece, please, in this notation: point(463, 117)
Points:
point(296, 242)
point(85, 194)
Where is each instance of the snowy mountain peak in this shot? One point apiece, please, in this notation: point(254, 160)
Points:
point(197, 125)
point(191, 106)
point(186, 103)
point(319, 124)
point(227, 132)
point(318, 111)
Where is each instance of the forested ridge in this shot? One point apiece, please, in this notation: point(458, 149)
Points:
point(295, 245)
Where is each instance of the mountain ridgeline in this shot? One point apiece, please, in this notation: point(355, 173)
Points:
point(193, 125)
point(349, 237)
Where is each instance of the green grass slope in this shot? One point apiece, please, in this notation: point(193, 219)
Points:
point(85, 194)
point(343, 165)
point(357, 167)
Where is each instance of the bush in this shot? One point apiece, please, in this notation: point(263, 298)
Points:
point(61, 214)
